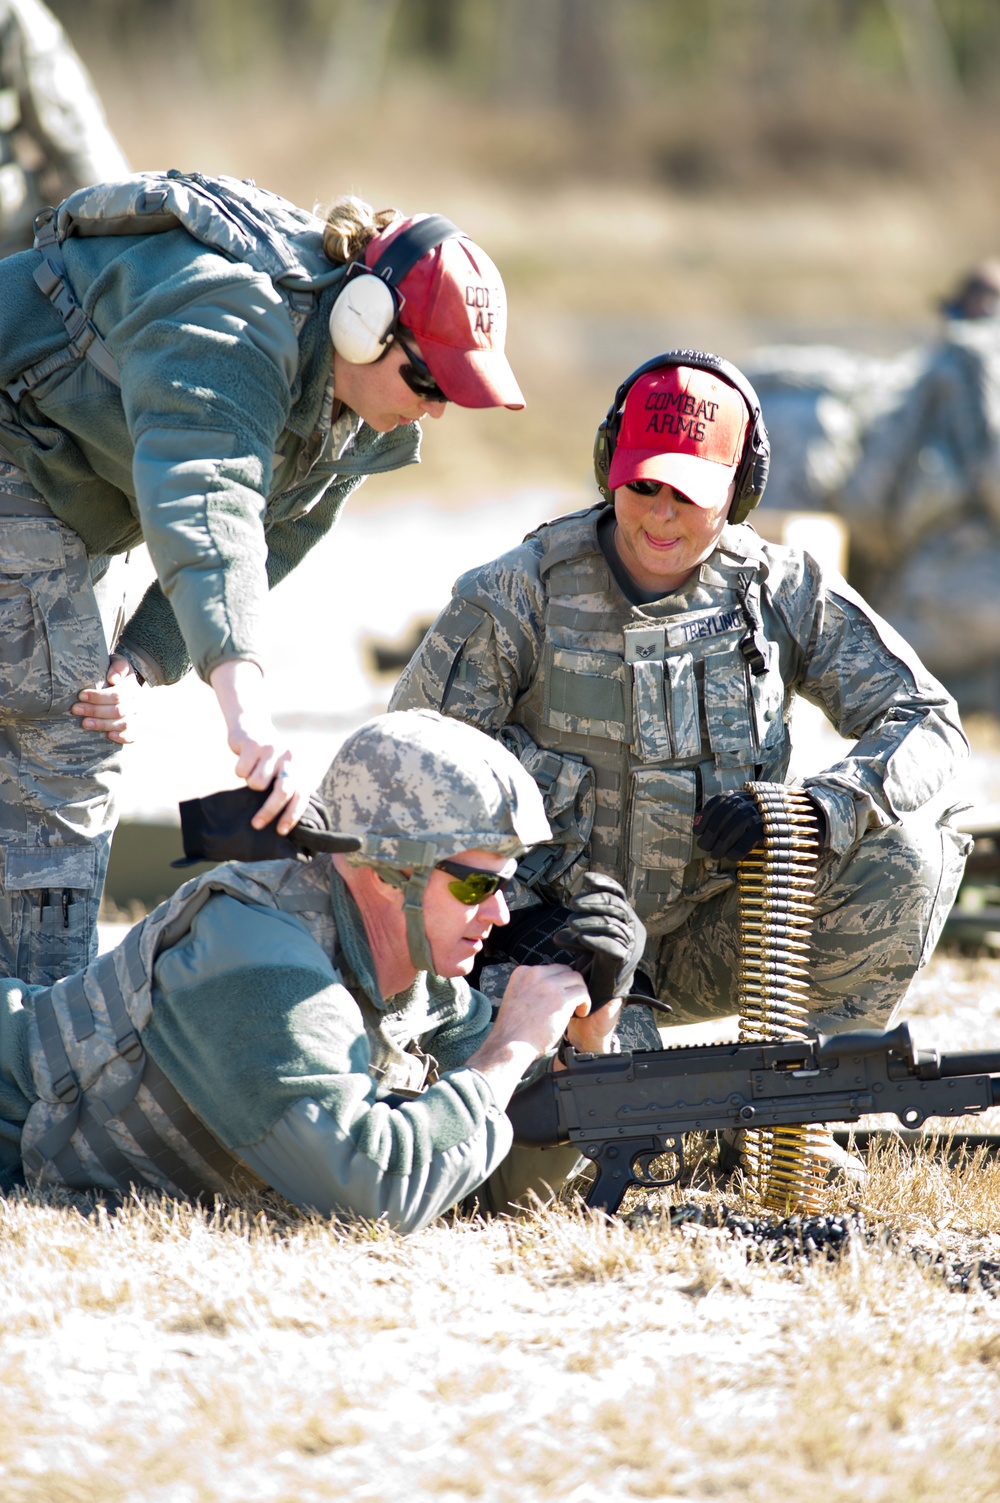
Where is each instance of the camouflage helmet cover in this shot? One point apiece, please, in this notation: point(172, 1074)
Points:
point(416, 787)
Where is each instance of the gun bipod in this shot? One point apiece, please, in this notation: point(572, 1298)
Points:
point(866, 1138)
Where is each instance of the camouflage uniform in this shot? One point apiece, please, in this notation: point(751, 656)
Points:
point(57, 809)
point(53, 134)
point(631, 717)
point(238, 1036)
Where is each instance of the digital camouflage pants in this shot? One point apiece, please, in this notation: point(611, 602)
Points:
point(57, 781)
point(878, 915)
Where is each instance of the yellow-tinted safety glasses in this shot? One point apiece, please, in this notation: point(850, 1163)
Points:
point(474, 885)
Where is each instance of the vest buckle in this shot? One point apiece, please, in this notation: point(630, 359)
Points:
point(129, 1046)
point(67, 1089)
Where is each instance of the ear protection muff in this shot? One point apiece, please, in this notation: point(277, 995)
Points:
point(751, 472)
point(364, 317)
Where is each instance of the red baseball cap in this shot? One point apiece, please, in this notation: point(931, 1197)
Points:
point(454, 302)
point(684, 427)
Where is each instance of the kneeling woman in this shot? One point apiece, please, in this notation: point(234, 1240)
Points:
point(642, 657)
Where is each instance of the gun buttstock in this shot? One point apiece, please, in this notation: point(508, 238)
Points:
point(534, 1114)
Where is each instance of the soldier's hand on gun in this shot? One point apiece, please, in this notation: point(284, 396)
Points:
point(608, 933)
point(111, 708)
point(546, 1003)
point(536, 1010)
point(538, 1004)
point(591, 1033)
point(260, 758)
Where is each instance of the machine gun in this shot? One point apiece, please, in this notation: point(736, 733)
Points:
point(625, 1110)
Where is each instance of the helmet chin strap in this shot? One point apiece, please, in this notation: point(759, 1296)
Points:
point(413, 888)
point(413, 911)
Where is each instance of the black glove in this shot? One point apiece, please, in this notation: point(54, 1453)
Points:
point(608, 936)
point(218, 828)
point(731, 825)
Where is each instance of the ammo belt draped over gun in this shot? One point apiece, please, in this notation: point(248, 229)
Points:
point(622, 1110)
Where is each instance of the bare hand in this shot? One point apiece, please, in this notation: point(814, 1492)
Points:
point(111, 708)
point(591, 1033)
point(260, 757)
point(537, 1006)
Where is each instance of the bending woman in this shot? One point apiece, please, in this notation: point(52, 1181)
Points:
point(200, 365)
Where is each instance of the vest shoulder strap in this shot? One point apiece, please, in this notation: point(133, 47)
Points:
point(743, 545)
point(244, 222)
point(292, 886)
point(570, 538)
point(238, 219)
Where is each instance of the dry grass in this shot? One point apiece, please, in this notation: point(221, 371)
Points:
point(160, 1352)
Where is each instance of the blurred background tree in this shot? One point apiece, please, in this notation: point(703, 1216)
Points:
point(835, 85)
point(569, 52)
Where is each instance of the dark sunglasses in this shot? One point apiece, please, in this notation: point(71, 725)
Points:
point(473, 885)
point(417, 376)
point(645, 487)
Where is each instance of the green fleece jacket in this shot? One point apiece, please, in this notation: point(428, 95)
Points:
point(296, 1061)
point(217, 449)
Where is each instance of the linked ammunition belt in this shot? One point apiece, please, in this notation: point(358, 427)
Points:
point(786, 1165)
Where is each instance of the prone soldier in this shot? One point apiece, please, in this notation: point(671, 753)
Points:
point(307, 1025)
point(641, 658)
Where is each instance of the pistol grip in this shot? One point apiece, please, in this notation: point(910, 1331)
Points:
point(616, 1168)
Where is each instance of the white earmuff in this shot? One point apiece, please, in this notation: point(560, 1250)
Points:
point(362, 319)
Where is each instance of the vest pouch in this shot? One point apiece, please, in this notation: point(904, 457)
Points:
point(661, 814)
point(768, 701)
point(665, 709)
point(585, 693)
point(732, 728)
point(567, 786)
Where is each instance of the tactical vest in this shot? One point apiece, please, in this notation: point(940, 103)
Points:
point(106, 1115)
point(663, 701)
point(238, 219)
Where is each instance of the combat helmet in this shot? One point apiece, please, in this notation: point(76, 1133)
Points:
point(415, 787)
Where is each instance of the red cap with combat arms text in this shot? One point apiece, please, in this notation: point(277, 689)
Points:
point(684, 427)
point(454, 302)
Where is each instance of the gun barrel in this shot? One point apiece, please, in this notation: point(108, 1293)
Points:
point(971, 1062)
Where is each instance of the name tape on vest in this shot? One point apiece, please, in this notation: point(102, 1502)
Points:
point(643, 644)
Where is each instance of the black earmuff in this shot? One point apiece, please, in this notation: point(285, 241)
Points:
point(751, 473)
point(363, 318)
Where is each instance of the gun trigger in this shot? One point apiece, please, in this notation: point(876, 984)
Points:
point(640, 1164)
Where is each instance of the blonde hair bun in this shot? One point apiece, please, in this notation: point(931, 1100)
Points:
point(350, 224)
